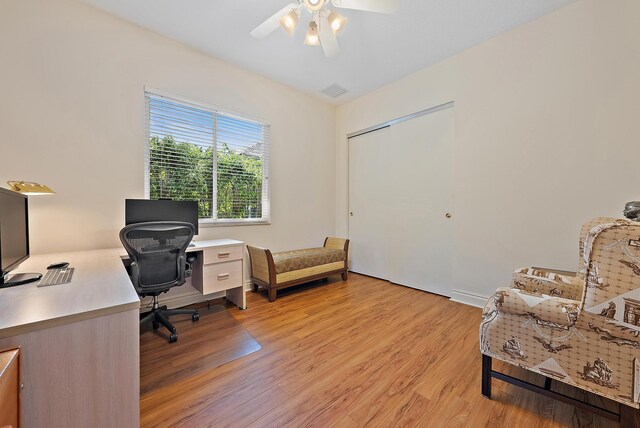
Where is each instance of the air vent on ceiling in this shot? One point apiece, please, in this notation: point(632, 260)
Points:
point(334, 91)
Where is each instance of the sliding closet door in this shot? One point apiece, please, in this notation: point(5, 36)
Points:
point(368, 207)
point(400, 193)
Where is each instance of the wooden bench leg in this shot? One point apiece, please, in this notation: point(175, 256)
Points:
point(345, 275)
point(272, 294)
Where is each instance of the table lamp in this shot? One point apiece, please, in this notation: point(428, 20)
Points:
point(27, 188)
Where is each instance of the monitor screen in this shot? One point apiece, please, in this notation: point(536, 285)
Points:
point(14, 230)
point(144, 210)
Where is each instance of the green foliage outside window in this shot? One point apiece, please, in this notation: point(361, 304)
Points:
point(184, 171)
point(239, 185)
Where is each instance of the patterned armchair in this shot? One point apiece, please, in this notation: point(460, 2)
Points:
point(582, 330)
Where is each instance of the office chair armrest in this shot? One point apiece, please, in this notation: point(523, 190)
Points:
point(191, 259)
point(135, 274)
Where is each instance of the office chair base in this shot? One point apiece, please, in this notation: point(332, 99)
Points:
point(160, 315)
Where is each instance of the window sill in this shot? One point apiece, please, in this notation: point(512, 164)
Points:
point(233, 222)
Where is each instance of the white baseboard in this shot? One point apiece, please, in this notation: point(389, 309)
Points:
point(468, 298)
point(188, 298)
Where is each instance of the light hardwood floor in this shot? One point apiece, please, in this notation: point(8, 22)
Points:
point(357, 353)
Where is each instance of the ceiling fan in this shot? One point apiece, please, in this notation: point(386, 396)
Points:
point(325, 23)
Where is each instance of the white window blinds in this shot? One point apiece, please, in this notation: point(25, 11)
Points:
point(219, 159)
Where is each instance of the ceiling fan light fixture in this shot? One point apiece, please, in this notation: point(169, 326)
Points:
point(336, 21)
point(314, 5)
point(289, 21)
point(312, 39)
point(327, 23)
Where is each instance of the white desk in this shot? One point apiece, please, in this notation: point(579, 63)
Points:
point(219, 268)
point(100, 286)
point(80, 342)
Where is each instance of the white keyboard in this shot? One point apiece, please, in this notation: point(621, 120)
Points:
point(56, 276)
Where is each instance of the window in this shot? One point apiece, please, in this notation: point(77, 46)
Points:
point(219, 159)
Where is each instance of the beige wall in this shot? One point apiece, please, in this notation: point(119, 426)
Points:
point(546, 131)
point(546, 136)
point(72, 81)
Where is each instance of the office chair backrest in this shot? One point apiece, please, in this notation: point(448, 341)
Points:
point(158, 253)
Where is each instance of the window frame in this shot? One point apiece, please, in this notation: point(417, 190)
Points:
point(266, 169)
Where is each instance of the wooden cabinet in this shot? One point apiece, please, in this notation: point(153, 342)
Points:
point(9, 388)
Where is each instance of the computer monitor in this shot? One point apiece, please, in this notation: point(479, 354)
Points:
point(14, 237)
point(144, 210)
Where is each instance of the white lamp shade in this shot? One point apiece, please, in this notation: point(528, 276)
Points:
point(289, 21)
point(312, 39)
point(336, 21)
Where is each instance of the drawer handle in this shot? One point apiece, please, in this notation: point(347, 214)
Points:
point(223, 255)
point(223, 276)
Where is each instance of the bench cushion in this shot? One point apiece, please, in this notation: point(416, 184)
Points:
point(288, 261)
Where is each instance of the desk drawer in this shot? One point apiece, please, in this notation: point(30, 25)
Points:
point(222, 254)
point(221, 276)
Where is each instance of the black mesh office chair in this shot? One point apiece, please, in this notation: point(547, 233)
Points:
point(159, 262)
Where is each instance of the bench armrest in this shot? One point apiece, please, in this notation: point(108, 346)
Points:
point(261, 264)
point(338, 244)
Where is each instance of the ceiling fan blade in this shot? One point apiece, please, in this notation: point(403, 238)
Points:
point(380, 6)
point(328, 39)
point(273, 22)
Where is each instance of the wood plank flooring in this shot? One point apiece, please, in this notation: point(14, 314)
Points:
point(352, 354)
point(225, 340)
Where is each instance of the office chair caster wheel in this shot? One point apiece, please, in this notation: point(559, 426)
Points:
point(195, 317)
point(173, 338)
point(156, 325)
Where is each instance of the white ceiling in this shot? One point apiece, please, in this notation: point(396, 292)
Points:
point(376, 49)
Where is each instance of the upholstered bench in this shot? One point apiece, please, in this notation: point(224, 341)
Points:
point(275, 271)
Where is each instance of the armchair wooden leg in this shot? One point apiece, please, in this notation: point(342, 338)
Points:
point(255, 287)
point(486, 376)
point(629, 417)
point(272, 294)
point(345, 275)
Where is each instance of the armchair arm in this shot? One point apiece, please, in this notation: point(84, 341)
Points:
point(543, 308)
point(261, 264)
point(549, 282)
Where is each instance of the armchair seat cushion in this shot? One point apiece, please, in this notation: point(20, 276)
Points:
point(288, 261)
